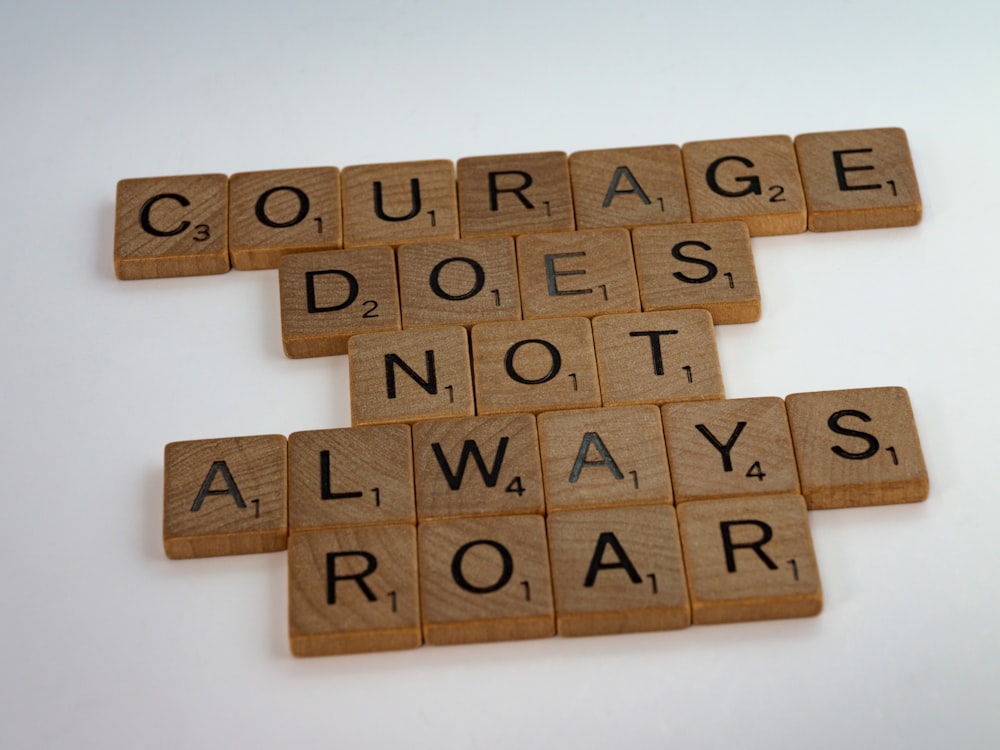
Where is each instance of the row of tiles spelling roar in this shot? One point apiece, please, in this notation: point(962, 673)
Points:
point(200, 224)
point(836, 448)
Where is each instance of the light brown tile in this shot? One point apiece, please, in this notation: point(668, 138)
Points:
point(657, 357)
point(587, 273)
point(858, 179)
point(617, 571)
point(329, 296)
point(353, 590)
point(350, 476)
point(389, 204)
point(608, 457)
point(282, 211)
point(857, 447)
point(534, 365)
point(698, 265)
point(406, 376)
point(749, 559)
point(485, 579)
point(732, 448)
point(225, 496)
point(477, 466)
point(514, 193)
point(628, 187)
point(172, 226)
point(753, 180)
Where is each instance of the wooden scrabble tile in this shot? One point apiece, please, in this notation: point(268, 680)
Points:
point(753, 180)
point(514, 193)
point(282, 211)
point(353, 590)
point(534, 365)
point(732, 448)
point(606, 457)
point(477, 466)
point(461, 282)
point(350, 476)
point(617, 570)
point(628, 187)
point(172, 226)
point(657, 357)
point(329, 296)
point(698, 265)
point(749, 559)
point(587, 273)
point(858, 179)
point(485, 579)
point(857, 447)
point(225, 496)
point(406, 376)
point(388, 204)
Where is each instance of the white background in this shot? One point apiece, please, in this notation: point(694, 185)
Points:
point(106, 643)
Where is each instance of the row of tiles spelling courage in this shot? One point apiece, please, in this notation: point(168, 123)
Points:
point(836, 448)
point(202, 224)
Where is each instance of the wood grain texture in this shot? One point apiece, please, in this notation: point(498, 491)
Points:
point(753, 180)
point(709, 266)
point(610, 457)
point(617, 571)
point(172, 226)
point(534, 365)
point(329, 296)
point(749, 559)
point(350, 476)
point(657, 357)
point(733, 448)
point(462, 282)
point(407, 376)
point(629, 187)
point(588, 272)
point(282, 211)
point(485, 579)
point(857, 447)
point(388, 204)
point(514, 193)
point(477, 466)
point(858, 179)
point(353, 590)
point(225, 496)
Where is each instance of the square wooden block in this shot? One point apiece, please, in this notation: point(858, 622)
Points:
point(628, 187)
point(477, 466)
point(172, 226)
point(587, 273)
point(534, 365)
point(350, 476)
point(461, 282)
point(353, 590)
point(749, 559)
point(406, 376)
point(282, 211)
point(657, 357)
point(857, 447)
point(698, 265)
point(858, 179)
point(329, 296)
point(608, 457)
point(388, 204)
point(514, 193)
point(753, 180)
point(225, 496)
point(485, 579)
point(617, 571)
point(730, 448)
